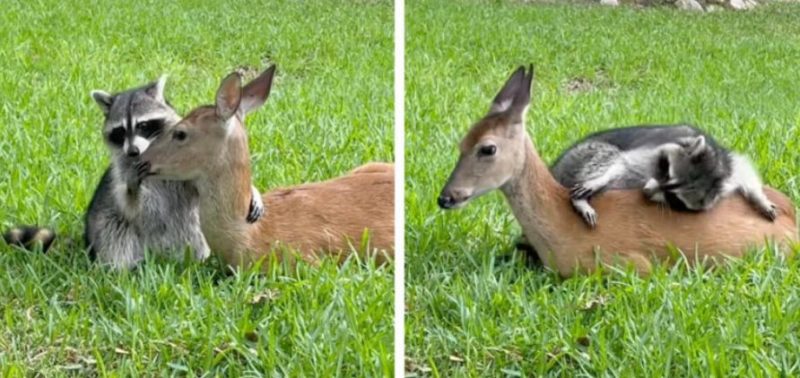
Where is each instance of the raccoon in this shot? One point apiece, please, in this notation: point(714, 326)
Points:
point(677, 164)
point(127, 216)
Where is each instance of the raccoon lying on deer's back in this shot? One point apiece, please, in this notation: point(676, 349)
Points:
point(679, 165)
point(497, 153)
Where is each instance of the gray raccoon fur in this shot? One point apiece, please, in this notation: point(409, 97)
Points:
point(127, 216)
point(676, 164)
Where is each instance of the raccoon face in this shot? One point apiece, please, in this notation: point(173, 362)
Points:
point(134, 118)
point(695, 196)
point(690, 175)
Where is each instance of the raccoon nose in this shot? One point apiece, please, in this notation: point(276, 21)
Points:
point(133, 151)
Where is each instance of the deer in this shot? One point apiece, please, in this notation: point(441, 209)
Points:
point(498, 153)
point(209, 147)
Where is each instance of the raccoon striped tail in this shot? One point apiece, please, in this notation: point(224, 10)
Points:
point(29, 236)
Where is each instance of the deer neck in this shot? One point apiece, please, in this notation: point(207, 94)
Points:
point(538, 201)
point(225, 196)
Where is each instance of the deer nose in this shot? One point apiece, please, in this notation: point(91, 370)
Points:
point(445, 201)
point(133, 151)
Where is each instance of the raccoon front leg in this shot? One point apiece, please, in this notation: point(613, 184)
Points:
point(744, 179)
point(759, 200)
point(582, 191)
point(257, 207)
point(133, 181)
point(588, 188)
point(126, 186)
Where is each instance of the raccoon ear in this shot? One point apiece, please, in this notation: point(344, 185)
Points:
point(229, 96)
point(698, 146)
point(103, 99)
point(156, 89)
point(255, 93)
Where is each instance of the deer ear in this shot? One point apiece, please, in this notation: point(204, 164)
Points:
point(229, 96)
point(522, 97)
point(103, 100)
point(516, 93)
point(515, 98)
point(505, 98)
point(255, 93)
point(156, 88)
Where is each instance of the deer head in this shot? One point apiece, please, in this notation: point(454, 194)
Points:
point(201, 141)
point(494, 149)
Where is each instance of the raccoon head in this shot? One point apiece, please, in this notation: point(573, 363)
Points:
point(134, 118)
point(691, 174)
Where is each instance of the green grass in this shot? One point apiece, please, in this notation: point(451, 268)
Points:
point(473, 305)
point(330, 110)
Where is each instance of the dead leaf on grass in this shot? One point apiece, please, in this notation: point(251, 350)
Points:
point(265, 296)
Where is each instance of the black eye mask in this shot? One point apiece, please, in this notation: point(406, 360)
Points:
point(663, 167)
point(117, 136)
point(675, 203)
point(151, 128)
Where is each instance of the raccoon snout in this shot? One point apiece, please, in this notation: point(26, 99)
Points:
point(133, 151)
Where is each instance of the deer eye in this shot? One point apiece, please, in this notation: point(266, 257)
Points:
point(487, 150)
point(179, 135)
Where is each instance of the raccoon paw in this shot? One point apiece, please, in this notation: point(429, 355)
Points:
point(201, 253)
point(254, 213)
point(770, 211)
point(590, 217)
point(651, 187)
point(652, 191)
point(586, 212)
point(583, 190)
point(142, 170)
point(257, 207)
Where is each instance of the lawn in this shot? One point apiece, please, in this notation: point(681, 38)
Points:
point(477, 307)
point(330, 110)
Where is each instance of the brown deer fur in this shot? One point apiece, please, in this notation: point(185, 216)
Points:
point(633, 230)
point(314, 219)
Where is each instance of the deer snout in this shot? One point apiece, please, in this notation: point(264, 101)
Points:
point(445, 202)
point(452, 198)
